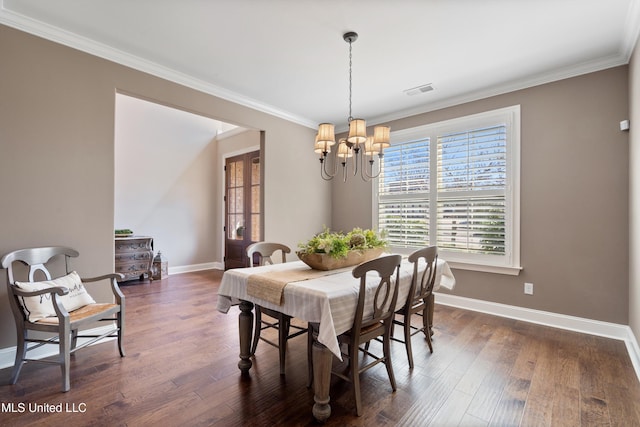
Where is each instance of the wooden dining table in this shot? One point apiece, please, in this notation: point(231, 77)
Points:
point(325, 298)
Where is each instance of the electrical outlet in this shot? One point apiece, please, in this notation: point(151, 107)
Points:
point(528, 288)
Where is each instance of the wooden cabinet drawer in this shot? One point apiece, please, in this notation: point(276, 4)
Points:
point(135, 245)
point(133, 256)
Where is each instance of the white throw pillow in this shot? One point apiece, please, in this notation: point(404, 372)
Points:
point(41, 306)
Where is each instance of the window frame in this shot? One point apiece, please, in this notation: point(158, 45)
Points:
point(510, 116)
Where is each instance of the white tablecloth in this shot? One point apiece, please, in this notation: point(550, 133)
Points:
point(329, 300)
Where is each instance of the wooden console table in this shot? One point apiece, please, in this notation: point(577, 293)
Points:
point(134, 257)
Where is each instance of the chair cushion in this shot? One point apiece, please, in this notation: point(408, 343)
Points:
point(41, 306)
point(81, 313)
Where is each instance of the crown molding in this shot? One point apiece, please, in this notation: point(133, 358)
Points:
point(55, 34)
point(535, 80)
point(631, 30)
point(72, 40)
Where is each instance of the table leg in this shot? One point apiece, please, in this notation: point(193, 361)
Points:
point(322, 359)
point(245, 328)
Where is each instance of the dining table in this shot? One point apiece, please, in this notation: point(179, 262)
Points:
point(327, 299)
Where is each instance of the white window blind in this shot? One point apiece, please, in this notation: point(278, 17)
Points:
point(403, 210)
point(472, 182)
point(455, 184)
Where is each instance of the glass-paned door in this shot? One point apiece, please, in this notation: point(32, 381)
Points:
point(242, 207)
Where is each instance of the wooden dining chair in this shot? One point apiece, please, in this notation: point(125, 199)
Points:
point(371, 321)
point(61, 306)
point(419, 300)
point(263, 251)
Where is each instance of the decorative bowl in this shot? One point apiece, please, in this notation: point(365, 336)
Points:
point(321, 261)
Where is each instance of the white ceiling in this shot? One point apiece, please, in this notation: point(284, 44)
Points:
point(288, 58)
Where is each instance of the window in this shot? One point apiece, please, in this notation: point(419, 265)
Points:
point(455, 184)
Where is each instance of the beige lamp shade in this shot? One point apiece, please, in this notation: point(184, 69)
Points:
point(357, 131)
point(344, 151)
point(326, 133)
point(370, 148)
point(381, 137)
point(322, 147)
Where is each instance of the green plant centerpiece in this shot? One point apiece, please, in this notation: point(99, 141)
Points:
point(331, 250)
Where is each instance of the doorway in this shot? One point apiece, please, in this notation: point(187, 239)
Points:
point(242, 207)
point(178, 202)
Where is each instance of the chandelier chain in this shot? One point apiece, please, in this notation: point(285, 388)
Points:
point(350, 62)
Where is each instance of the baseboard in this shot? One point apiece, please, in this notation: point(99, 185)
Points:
point(561, 321)
point(8, 354)
point(196, 267)
point(634, 351)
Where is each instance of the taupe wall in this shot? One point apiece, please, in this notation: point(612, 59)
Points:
point(57, 154)
point(574, 198)
point(634, 193)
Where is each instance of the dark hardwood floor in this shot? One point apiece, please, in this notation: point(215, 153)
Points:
point(181, 370)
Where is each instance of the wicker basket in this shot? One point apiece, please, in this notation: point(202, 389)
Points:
point(326, 262)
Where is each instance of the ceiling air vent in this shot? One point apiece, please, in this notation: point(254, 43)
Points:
point(419, 89)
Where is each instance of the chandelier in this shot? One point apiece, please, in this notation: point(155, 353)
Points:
point(358, 146)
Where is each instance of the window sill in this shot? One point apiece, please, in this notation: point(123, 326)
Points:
point(464, 264)
point(512, 271)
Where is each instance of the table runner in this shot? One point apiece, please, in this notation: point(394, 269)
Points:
point(270, 286)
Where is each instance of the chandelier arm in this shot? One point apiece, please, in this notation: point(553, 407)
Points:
point(345, 168)
point(330, 174)
point(356, 152)
point(371, 162)
point(363, 171)
point(327, 176)
point(364, 175)
point(323, 174)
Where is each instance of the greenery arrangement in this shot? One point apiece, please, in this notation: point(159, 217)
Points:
point(338, 244)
